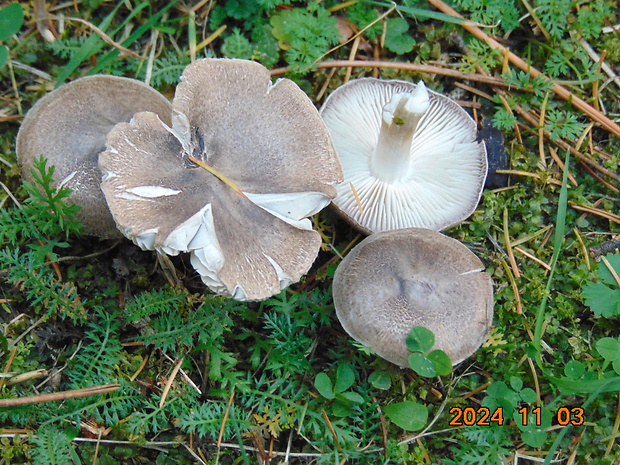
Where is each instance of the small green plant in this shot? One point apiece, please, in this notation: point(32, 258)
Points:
point(411, 415)
point(305, 35)
point(603, 295)
point(338, 389)
point(11, 20)
point(397, 39)
point(423, 360)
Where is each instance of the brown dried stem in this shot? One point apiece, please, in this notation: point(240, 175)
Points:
point(559, 90)
point(63, 395)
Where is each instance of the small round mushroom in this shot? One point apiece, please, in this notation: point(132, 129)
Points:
point(409, 156)
point(268, 164)
point(395, 280)
point(69, 125)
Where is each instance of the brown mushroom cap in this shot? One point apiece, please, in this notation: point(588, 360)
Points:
point(250, 241)
point(395, 280)
point(69, 125)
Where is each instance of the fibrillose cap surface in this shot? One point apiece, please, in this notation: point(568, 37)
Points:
point(267, 139)
point(425, 170)
point(395, 280)
point(68, 127)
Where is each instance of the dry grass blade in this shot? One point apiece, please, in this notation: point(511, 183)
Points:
point(559, 90)
point(414, 67)
point(611, 270)
point(173, 375)
point(595, 211)
point(106, 38)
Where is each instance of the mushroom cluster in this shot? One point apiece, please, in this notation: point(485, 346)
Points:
point(232, 180)
point(230, 172)
point(69, 126)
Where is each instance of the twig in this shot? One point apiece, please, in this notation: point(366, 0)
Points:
point(413, 67)
point(62, 395)
point(565, 146)
point(559, 90)
point(23, 377)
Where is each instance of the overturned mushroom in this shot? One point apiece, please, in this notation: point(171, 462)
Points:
point(395, 280)
point(268, 165)
point(69, 125)
point(409, 156)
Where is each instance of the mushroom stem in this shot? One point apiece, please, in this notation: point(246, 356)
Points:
point(222, 177)
point(400, 117)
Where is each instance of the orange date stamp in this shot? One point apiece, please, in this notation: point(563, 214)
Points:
point(483, 416)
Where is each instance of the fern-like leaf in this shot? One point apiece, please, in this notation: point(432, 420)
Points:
point(95, 363)
point(53, 447)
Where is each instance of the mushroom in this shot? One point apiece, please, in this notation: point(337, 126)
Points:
point(69, 125)
point(395, 280)
point(268, 164)
point(409, 156)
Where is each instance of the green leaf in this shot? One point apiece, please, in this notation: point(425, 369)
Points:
point(396, 39)
point(342, 409)
point(353, 397)
point(609, 348)
point(528, 395)
point(345, 377)
point(604, 273)
point(601, 299)
point(380, 380)
point(441, 362)
point(4, 55)
point(574, 369)
point(11, 20)
point(499, 390)
point(420, 339)
point(420, 13)
point(323, 384)
point(422, 365)
point(535, 438)
point(409, 415)
point(516, 383)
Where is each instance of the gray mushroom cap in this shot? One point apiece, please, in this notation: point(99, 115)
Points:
point(409, 156)
point(395, 280)
point(268, 139)
point(69, 125)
